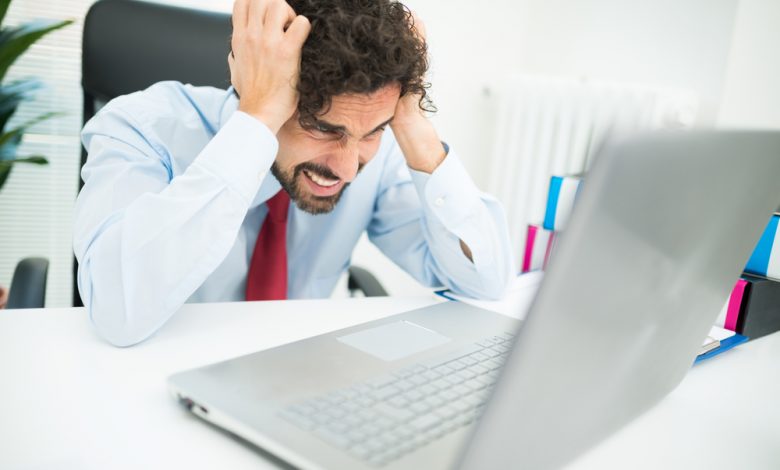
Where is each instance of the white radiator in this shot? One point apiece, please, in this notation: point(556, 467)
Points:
point(549, 126)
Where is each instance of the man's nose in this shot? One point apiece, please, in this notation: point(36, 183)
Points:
point(345, 161)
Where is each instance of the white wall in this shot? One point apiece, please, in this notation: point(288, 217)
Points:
point(667, 43)
point(469, 47)
point(751, 97)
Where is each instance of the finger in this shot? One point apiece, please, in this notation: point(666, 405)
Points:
point(240, 10)
point(257, 13)
point(279, 15)
point(299, 30)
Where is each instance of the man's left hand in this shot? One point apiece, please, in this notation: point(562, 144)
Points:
point(415, 134)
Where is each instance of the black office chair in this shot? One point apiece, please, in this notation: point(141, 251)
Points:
point(129, 45)
point(28, 285)
point(361, 280)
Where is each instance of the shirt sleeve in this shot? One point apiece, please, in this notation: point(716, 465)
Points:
point(420, 219)
point(146, 239)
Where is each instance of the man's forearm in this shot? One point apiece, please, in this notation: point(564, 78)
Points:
point(423, 150)
point(143, 253)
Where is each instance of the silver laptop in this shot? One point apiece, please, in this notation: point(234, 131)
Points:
point(662, 229)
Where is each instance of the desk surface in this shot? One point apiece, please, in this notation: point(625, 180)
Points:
point(69, 400)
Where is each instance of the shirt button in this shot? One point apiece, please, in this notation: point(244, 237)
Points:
point(439, 201)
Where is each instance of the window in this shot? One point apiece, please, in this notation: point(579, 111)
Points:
point(36, 203)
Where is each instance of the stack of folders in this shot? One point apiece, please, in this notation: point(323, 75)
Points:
point(540, 238)
point(753, 309)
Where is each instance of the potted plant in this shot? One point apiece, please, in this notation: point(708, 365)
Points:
point(14, 41)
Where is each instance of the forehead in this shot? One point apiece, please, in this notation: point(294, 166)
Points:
point(363, 109)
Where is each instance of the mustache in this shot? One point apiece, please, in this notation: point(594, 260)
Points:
point(320, 170)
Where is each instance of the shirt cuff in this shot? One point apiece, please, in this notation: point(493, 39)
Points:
point(448, 193)
point(241, 153)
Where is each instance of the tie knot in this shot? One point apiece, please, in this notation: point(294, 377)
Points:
point(278, 205)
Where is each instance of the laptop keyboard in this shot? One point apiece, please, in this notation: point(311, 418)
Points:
point(385, 418)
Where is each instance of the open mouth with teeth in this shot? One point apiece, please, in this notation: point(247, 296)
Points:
point(320, 185)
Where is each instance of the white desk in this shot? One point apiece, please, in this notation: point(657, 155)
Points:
point(70, 401)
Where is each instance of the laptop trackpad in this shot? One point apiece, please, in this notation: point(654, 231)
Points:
point(394, 340)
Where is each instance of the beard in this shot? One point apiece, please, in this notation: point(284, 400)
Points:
point(291, 182)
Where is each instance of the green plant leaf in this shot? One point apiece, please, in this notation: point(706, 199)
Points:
point(12, 94)
point(6, 165)
point(14, 41)
point(34, 159)
point(9, 149)
point(3, 8)
point(5, 170)
point(14, 135)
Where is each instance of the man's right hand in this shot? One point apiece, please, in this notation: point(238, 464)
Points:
point(265, 58)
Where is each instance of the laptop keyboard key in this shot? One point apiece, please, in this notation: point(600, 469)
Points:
point(333, 438)
point(434, 401)
point(424, 422)
point(417, 379)
point(428, 389)
point(370, 429)
point(413, 395)
point(385, 393)
point(399, 401)
point(364, 401)
point(419, 407)
point(322, 418)
point(405, 385)
point(397, 414)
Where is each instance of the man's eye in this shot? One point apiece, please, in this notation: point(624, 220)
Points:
point(324, 131)
point(376, 133)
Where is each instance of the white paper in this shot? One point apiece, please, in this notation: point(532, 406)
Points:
point(719, 334)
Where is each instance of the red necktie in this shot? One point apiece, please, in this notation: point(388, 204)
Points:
point(267, 278)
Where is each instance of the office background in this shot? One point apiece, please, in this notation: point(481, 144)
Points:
point(721, 51)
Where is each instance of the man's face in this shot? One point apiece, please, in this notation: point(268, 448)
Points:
point(315, 165)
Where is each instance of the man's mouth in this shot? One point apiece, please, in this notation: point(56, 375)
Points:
point(321, 180)
point(320, 185)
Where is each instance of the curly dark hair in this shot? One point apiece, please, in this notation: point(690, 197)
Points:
point(358, 46)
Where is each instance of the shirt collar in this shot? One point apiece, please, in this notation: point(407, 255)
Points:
point(270, 184)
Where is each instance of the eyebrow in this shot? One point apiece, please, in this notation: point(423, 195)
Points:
point(329, 127)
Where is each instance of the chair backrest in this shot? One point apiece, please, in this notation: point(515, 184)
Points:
point(28, 286)
point(129, 45)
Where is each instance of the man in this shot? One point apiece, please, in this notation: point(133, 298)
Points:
point(187, 190)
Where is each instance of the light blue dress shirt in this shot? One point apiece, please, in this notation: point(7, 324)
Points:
point(173, 201)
